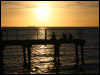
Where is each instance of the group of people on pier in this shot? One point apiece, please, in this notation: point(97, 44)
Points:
point(70, 37)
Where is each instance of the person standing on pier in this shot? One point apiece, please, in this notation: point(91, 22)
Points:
point(53, 36)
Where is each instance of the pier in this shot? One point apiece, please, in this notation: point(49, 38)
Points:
point(27, 44)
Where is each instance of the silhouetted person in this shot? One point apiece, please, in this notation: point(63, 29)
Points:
point(64, 36)
point(70, 36)
point(53, 36)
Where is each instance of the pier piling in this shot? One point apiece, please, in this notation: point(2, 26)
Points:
point(1, 57)
point(56, 55)
point(76, 49)
point(82, 53)
point(24, 56)
point(29, 58)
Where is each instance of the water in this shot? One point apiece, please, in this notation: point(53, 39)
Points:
point(42, 55)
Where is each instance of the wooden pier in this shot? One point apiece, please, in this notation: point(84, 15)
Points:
point(27, 44)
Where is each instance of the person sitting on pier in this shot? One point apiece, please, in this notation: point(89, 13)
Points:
point(64, 36)
point(70, 36)
point(53, 36)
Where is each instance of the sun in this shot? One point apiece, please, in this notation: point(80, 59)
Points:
point(42, 11)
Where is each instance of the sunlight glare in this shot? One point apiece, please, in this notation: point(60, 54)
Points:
point(42, 11)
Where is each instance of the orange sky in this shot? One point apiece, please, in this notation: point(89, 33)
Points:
point(50, 13)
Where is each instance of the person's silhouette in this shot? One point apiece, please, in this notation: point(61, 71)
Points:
point(70, 36)
point(53, 36)
point(64, 36)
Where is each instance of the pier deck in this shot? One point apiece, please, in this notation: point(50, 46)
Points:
point(43, 42)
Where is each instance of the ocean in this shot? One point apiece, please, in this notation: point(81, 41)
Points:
point(42, 55)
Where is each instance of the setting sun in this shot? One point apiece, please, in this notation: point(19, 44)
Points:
point(42, 11)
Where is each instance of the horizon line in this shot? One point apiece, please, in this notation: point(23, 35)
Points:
point(42, 27)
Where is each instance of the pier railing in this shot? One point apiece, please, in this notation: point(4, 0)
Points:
point(38, 34)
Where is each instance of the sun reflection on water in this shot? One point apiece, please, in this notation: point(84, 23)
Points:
point(41, 59)
point(42, 56)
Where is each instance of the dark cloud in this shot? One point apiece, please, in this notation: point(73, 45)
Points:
point(79, 2)
point(89, 3)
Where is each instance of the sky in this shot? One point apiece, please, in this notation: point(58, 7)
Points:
point(50, 13)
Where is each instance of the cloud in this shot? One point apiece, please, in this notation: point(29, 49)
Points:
point(54, 4)
point(79, 3)
point(89, 3)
